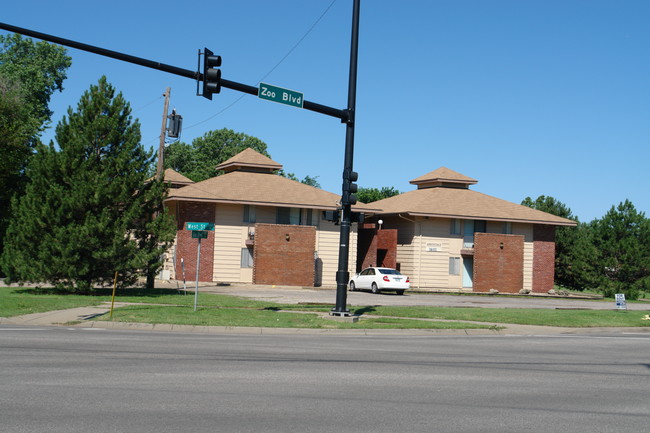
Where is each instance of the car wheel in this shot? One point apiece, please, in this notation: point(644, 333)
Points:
point(375, 289)
point(399, 292)
point(352, 286)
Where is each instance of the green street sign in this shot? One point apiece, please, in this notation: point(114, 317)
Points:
point(200, 226)
point(199, 234)
point(280, 95)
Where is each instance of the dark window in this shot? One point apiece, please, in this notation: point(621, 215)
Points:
point(389, 271)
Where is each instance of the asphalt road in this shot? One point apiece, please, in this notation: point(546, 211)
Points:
point(78, 380)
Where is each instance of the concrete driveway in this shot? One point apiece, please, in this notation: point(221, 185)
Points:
point(289, 295)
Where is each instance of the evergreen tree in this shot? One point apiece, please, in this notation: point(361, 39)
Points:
point(622, 239)
point(575, 256)
point(89, 210)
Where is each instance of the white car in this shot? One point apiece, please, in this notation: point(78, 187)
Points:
point(380, 279)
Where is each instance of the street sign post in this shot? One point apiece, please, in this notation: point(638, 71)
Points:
point(199, 231)
point(280, 95)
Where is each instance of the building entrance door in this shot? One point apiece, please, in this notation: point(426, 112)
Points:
point(468, 271)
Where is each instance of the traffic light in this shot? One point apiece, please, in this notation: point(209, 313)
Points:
point(333, 216)
point(350, 188)
point(174, 124)
point(211, 76)
point(357, 217)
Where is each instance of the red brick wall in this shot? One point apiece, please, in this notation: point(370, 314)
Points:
point(387, 241)
point(284, 255)
point(366, 247)
point(186, 247)
point(371, 240)
point(543, 258)
point(498, 262)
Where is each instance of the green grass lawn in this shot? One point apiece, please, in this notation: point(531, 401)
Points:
point(521, 316)
point(267, 318)
point(169, 306)
point(19, 301)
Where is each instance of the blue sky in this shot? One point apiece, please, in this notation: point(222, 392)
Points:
point(529, 97)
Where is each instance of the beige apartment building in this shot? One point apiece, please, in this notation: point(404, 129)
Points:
point(272, 230)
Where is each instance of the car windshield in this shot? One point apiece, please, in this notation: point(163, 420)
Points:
point(389, 272)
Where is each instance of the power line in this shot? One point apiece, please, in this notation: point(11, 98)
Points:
point(272, 69)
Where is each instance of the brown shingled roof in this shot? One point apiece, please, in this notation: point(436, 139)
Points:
point(464, 204)
point(249, 158)
point(443, 174)
point(175, 178)
point(258, 189)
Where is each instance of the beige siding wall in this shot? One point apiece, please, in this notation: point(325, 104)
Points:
point(230, 233)
point(437, 245)
point(169, 257)
point(168, 262)
point(327, 246)
point(527, 231)
point(423, 251)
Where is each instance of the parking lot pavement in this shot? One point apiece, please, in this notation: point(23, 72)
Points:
point(289, 295)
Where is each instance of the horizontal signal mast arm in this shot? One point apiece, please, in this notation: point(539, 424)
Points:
point(307, 105)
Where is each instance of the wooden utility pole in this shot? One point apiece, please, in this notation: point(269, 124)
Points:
point(163, 133)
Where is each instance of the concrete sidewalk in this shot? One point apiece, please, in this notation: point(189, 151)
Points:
point(68, 317)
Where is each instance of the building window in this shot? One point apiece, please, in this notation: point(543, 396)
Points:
point(287, 215)
point(469, 228)
point(454, 229)
point(454, 265)
point(479, 226)
point(249, 214)
point(507, 228)
point(309, 217)
point(246, 258)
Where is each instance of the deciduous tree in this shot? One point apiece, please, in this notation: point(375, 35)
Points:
point(29, 74)
point(38, 67)
point(369, 195)
point(198, 160)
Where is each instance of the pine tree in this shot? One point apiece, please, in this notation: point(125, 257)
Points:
point(622, 239)
point(89, 209)
point(574, 252)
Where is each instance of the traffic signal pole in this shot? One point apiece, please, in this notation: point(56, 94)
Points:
point(346, 116)
point(342, 274)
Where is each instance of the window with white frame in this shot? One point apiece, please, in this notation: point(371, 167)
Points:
point(246, 258)
point(454, 265)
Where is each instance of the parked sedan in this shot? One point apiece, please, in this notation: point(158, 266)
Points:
point(380, 279)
